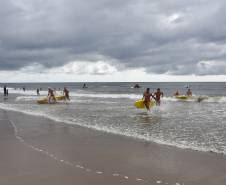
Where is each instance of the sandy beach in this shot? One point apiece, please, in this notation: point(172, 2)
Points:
point(36, 150)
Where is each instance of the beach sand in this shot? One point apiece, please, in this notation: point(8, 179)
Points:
point(36, 150)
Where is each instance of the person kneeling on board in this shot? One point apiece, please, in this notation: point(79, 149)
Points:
point(176, 94)
point(66, 93)
point(51, 94)
point(146, 97)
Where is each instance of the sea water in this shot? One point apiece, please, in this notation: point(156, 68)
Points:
point(197, 123)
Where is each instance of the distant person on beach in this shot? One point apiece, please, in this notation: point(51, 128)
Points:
point(38, 92)
point(84, 86)
point(66, 93)
point(24, 88)
point(5, 90)
point(146, 97)
point(51, 94)
point(189, 93)
point(176, 94)
point(157, 95)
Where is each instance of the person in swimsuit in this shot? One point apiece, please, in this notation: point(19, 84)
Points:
point(51, 94)
point(157, 95)
point(66, 93)
point(189, 93)
point(146, 97)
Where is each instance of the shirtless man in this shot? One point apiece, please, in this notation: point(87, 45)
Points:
point(66, 93)
point(51, 94)
point(189, 93)
point(157, 95)
point(146, 97)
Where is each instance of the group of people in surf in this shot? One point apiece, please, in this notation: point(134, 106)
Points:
point(189, 93)
point(147, 97)
point(66, 92)
point(52, 95)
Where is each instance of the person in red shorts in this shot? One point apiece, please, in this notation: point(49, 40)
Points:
point(157, 95)
point(66, 93)
point(146, 97)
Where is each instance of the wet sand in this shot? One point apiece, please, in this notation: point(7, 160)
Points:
point(35, 150)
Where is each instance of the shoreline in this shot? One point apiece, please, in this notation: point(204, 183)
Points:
point(37, 150)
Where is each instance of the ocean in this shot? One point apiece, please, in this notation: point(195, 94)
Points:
point(197, 123)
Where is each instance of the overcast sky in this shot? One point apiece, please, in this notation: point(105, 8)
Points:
point(112, 40)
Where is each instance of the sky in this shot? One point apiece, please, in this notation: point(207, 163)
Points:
point(112, 40)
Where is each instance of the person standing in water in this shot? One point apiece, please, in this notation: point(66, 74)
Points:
point(66, 93)
point(51, 94)
point(189, 93)
point(4, 90)
point(146, 97)
point(157, 95)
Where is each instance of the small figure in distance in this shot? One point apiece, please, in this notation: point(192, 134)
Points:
point(176, 94)
point(146, 97)
point(51, 94)
point(66, 93)
point(157, 95)
point(7, 93)
point(189, 93)
point(24, 88)
point(84, 86)
point(38, 92)
point(4, 90)
point(136, 86)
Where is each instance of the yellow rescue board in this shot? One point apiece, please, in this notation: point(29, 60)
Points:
point(141, 104)
point(45, 100)
point(181, 97)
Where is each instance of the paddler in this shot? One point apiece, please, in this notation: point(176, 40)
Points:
point(66, 93)
point(176, 94)
point(51, 94)
point(146, 97)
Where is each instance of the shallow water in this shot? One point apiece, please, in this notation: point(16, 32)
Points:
point(198, 123)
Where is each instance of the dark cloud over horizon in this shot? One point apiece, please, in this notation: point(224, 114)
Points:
point(165, 37)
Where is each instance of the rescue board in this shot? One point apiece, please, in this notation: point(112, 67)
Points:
point(141, 104)
point(181, 97)
point(45, 100)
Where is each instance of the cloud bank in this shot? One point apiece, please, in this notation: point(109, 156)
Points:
point(162, 37)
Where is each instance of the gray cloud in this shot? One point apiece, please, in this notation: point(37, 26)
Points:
point(165, 37)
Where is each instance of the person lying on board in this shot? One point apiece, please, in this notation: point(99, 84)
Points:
point(146, 97)
point(66, 93)
point(189, 93)
point(51, 94)
point(157, 95)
